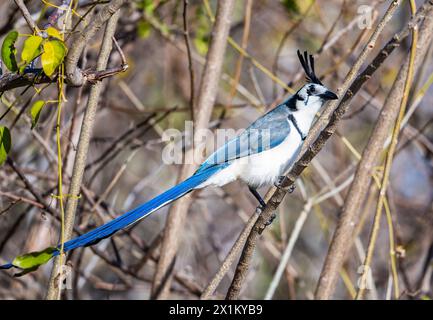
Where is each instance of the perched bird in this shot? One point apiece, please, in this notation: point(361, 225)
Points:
point(259, 156)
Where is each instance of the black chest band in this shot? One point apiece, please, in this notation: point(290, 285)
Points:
point(295, 124)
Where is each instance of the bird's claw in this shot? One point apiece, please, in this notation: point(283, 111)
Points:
point(259, 209)
point(279, 182)
point(271, 219)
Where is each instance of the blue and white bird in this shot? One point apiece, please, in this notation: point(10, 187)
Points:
point(259, 156)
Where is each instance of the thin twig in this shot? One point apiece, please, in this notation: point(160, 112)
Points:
point(350, 212)
point(20, 199)
point(388, 164)
point(245, 36)
point(205, 102)
point(278, 195)
point(74, 75)
point(190, 64)
point(230, 258)
point(289, 248)
point(83, 147)
point(27, 16)
point(351, 75)
point(283, 40)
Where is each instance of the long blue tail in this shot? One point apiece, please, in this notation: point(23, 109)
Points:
point(120, 222)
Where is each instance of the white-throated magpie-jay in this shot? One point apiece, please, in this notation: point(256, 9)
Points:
point(259, 156)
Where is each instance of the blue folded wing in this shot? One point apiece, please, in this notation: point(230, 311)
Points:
point(265, 133)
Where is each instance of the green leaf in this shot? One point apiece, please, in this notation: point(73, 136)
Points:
point(35, 111)
point(201, 44)
point(54, 52)
point(53, 32)
point(144, 29)
point(5, 143)
point(291, 6)
point(8, 51)
point(148, 6)
point(33, 260)
point(31, 49)
point(201, 38)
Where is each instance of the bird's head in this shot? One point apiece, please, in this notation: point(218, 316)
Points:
point(313, 94)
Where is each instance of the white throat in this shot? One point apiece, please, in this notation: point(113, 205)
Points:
point(306, 113)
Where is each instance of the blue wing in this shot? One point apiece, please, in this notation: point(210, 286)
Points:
point(265, 133)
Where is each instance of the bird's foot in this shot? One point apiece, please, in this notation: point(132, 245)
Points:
point(271, 219)
point(260, 209)
point(279, 183)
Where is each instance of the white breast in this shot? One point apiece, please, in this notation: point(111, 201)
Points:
point(265, 167)
point(262, 168)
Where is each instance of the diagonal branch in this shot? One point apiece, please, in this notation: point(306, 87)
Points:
point(74, 75)
point(341, 241)
point(27, 16)
point(204, 106)
point(83, 148)
point(386, 174)
point(190, 63)
point(278, 195)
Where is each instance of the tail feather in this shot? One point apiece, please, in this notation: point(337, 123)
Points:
point(134, 215)
point(138, 213)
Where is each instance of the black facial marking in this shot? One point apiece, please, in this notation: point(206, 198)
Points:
point(311, 90)
point(295, 124)
point(300, 98)
point(291, 103)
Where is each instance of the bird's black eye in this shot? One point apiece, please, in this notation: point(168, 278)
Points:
point(311, 90)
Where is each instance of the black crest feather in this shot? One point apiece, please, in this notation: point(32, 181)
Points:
point(308, 65)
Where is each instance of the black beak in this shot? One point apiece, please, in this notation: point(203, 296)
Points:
point(329, 95)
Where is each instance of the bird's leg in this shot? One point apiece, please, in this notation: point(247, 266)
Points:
point(262, 205)
point(280, 181)
point(259, 198)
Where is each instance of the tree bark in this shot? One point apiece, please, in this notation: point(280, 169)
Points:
point(82, 151)
point(205, 101)
point(343, 236)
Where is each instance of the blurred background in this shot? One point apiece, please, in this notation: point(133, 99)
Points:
point(125, 167)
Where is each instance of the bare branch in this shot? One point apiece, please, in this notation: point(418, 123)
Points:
point(82, 149)
point(341, 241)
point(188, 50)
point(10, 81)
point(74, 75)
point(26, 14)
point(205, 102)
point(228, 261)
point(278, 195)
